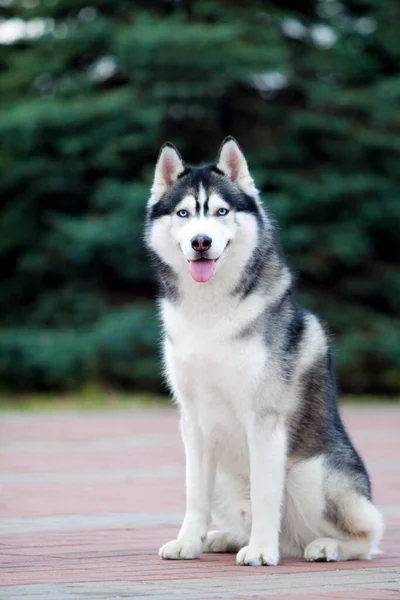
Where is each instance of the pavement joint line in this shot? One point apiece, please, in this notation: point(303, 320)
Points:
point(112, 521)
point(329, 582)
point(11, 478)
point(166, 410)
point(134, 441)
point(104, 414)
point(109, 475)
point(147, 440)
point(109, 521)
point(384, 434)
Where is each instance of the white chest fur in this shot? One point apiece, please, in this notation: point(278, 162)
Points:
point(213, 371)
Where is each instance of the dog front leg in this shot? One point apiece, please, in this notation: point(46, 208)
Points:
point(200, 476)
point(267, 450)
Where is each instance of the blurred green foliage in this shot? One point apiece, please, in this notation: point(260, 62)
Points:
point(88, 94)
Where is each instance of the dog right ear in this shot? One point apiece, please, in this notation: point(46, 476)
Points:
point(169, 166)
point(232, 163)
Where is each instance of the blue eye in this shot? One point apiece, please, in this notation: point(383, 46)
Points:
point(222, 212)
point(182, 213)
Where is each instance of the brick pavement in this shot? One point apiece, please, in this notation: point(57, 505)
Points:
point(87, 498)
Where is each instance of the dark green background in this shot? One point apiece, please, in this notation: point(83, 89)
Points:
point(311, 90)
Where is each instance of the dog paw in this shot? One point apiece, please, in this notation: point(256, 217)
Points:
point(324, 549)
point(256, 556)
point(181, 550)
point(220, 541)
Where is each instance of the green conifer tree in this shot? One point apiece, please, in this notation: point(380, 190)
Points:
point(87, 96)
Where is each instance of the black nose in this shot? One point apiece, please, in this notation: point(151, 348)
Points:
point(201, 242)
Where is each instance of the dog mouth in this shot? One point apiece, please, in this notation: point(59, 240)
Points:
point(202, 269)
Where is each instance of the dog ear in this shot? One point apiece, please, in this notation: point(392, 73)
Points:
point(232, 163)
point(169, 166)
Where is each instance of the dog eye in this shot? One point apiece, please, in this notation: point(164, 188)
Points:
point(222, 212)
point(182, 213)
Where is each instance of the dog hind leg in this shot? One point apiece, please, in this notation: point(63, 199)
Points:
point(359, 530)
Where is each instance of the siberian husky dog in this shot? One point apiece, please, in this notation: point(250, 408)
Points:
point(268, 459)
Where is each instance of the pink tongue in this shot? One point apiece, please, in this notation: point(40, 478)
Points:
point(202, 270)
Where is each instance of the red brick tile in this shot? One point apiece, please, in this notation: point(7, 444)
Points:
point(130, 554)
point(375, 594)
point(84, 426)
point(96, 497)
point(79, 460)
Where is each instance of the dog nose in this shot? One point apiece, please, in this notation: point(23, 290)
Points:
point(201, 242)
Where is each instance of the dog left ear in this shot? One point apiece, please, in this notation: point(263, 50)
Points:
point(169, 166)
point(232, 163)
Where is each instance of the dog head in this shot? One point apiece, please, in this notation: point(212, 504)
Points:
point(203, 219)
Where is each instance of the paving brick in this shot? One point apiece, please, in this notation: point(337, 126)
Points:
point(82, 460)
point(87, 498)
point(93, 497)
point(85, 426)
point(353, 582)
